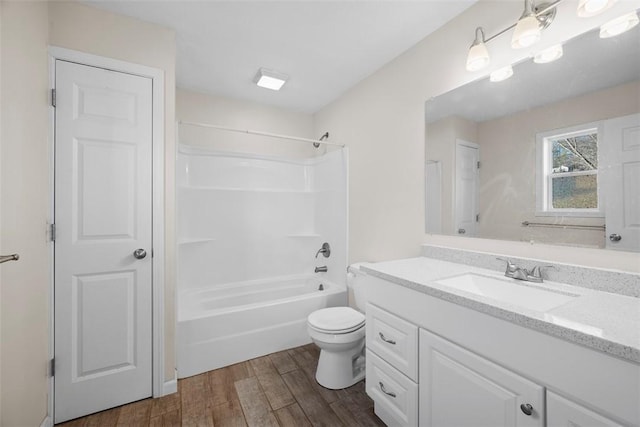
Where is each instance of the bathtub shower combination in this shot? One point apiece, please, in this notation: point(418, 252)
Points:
point(249, 228)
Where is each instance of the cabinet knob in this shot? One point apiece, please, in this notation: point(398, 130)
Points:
point(526, 408)
point(615, 237)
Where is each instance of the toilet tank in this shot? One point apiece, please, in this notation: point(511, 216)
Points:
point(356, 285)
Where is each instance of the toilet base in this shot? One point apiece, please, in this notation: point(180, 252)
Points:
point(338, 370)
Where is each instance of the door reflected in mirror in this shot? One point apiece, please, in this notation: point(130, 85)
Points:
point(557, 147)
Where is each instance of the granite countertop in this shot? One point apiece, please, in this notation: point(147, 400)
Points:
point(600, 320)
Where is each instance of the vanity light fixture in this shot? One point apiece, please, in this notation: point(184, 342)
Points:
point(528, 31)
point(549, 54)
point(619, 25)
point(270, 79)
point(587, 8)
point(501, 74)
point(478, 57)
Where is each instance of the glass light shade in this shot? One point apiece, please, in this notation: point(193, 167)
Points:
point(478, 57)
point(587, 8)
point(619, 25)
point(527, 32)
point(501, 74)
point(548, 55)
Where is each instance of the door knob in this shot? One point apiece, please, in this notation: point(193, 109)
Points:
point(615, 237)
point(139, 253)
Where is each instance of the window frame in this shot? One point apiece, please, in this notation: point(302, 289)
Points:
point(544, 162)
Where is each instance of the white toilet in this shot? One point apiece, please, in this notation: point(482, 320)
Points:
point(339, 332)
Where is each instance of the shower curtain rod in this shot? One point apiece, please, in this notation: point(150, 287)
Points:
point(254, 132)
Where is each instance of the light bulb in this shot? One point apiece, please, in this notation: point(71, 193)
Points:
point(587, 8)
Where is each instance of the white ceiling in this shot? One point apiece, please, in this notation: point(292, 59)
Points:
point(326, 47)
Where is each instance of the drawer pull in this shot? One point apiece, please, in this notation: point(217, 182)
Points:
point(386, 340)
point(388, 393)
point(526, 408)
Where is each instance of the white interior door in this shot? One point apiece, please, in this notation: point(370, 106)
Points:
point(466, 191)
point(103, 207)
point(621, 182)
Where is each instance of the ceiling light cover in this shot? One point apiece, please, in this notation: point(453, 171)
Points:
point(270, 79)
point(478, 57)
point(548, 55)
point(619, 25)
point(501, 74)
point(527, 30)
point(587, 8)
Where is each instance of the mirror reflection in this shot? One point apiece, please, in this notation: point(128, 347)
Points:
point(550, 155)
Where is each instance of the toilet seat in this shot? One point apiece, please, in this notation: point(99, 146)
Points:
point(336, 320)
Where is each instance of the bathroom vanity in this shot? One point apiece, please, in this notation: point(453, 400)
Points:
point(450, 344)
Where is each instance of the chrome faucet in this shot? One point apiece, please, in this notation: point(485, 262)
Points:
point(325, 250)
point(520, 273)
point(322, 269)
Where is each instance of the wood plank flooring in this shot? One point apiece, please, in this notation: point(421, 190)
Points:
point(277, 390)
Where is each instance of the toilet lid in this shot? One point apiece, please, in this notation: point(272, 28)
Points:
point(336, 320)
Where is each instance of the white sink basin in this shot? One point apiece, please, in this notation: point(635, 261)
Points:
point(509, 291)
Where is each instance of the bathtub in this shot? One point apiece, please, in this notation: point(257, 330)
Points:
point(226, 324)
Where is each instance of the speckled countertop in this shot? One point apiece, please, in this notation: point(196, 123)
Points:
point(600, 320)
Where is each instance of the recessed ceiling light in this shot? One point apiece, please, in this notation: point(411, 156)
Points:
point(501, 74)
point(270, 79)
point(548, 55)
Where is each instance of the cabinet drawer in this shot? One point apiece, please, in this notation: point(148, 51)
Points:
point(394, 340)
point(395, 396)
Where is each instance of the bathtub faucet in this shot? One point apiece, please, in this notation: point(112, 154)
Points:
point(324, 250)
point(322, 269)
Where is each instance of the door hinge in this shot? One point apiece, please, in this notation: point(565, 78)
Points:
point(53, 98)
point(477, 217)
point(52, 367)
point(478, 165)
point(52, 232)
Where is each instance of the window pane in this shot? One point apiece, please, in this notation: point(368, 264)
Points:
point(576, 153)
point(575, 192)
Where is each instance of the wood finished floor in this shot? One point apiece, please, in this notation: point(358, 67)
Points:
point(274, 390)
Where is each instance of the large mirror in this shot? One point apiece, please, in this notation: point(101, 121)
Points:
point(549, 155)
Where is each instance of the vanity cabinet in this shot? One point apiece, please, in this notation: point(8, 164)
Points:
point(434, 363)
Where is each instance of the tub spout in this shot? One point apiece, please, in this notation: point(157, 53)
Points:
point(322, 269)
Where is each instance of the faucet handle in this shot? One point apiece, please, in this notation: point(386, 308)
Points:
point(511, 267)
point(324, 250)
point(537, 270)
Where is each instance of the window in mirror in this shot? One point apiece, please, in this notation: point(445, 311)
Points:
point(568, 165)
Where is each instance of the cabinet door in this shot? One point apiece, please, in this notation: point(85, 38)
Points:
point(459, 388)
point(562, 412)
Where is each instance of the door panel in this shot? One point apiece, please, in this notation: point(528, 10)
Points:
point(621, 182)
point(459, 388)
point(466, 191)
point(103, 187)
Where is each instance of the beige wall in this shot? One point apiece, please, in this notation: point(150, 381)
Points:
point(24, 212)
point(382, 121)
point(508, 176)
point(87, 29)
point(217, 110)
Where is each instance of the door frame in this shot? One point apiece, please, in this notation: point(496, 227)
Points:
point(159, 388)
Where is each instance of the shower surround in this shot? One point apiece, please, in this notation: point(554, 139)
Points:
point(249, 227)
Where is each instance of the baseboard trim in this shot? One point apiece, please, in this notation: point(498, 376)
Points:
point(47, 422)
point(171, 386)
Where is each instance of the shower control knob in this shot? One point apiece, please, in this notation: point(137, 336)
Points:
point(139, 253)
